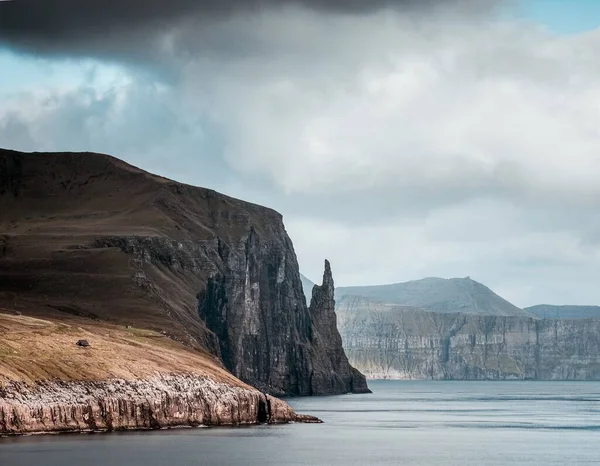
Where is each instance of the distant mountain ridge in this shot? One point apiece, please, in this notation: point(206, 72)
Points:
point(454, 295)
point(549, 311)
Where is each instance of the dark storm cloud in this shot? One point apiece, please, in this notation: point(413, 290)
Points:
point(75, 26)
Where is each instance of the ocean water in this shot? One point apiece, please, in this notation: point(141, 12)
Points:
point(401, 423)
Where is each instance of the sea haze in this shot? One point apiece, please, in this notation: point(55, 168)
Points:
point(402, 422)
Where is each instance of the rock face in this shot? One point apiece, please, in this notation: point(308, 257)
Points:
point(91, 236)
point(333, 373)
point(548, 311)
point(389, 342)
point(267, 335)
point(159, 402)
point(453, 295)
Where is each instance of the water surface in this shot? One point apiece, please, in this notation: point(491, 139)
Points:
point(407, 423)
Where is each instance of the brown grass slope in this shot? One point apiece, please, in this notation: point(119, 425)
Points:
point(55, 210)
point(34, 349)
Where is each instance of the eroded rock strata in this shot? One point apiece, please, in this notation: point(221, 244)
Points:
point(387, 342)
point(336, 374)
point(158, 402)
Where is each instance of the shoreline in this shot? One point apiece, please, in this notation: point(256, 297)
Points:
point(164, 401)
point(302, 419)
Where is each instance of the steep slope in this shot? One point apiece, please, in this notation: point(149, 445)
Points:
point(90, 236)
point(548, 311)
point(127, 379)
point(327, 340)
point(433, 294)
point(390, 342)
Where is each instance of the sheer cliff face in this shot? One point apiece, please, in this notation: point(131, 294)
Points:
point(394, 343)
point(158, 402)
point(88, 235)
point(253, 304)
point(548, 311)
point(267, 335)
point(332, 371)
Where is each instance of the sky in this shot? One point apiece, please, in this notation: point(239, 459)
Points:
point(400, 139)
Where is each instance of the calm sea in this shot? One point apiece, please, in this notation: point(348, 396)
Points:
point(401, 423)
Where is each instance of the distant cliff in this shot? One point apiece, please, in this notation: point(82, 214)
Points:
point(389, 342)
point(434, 294)
point(88, 236)
point(547, 311)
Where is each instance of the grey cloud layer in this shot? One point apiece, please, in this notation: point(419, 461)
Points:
point(113, 26)
point(397, 145)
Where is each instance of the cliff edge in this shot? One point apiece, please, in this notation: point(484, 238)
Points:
point(87, 240)
point(91, 236)
point(126, 378)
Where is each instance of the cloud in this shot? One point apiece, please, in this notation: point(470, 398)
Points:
point(126, 116)
point(447, 112)
point(144, 28)
point(396, 144)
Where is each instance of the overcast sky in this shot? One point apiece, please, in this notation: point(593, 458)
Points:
point(400, 140)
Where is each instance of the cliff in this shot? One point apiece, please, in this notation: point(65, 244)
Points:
point(388, 342)
point(128, 378)
point(91, 236)
point(336, 374)
point(452, 295)
point(548, 311)
point(159, 402)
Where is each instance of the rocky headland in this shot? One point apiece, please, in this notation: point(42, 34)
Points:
point(162, 401)
point(90, 242)
point(127, 378)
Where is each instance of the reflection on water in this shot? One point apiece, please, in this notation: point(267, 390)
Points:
point(408, 423)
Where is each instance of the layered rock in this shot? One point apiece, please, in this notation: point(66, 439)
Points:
point(388, 342)
point(548, 311)
point(331, 372)
point(90, 236)
point(158, 402)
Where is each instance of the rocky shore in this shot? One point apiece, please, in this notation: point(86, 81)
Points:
point(162, 401)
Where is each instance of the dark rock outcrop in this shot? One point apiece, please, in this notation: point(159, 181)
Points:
point(331, 370)
point(267, 335)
